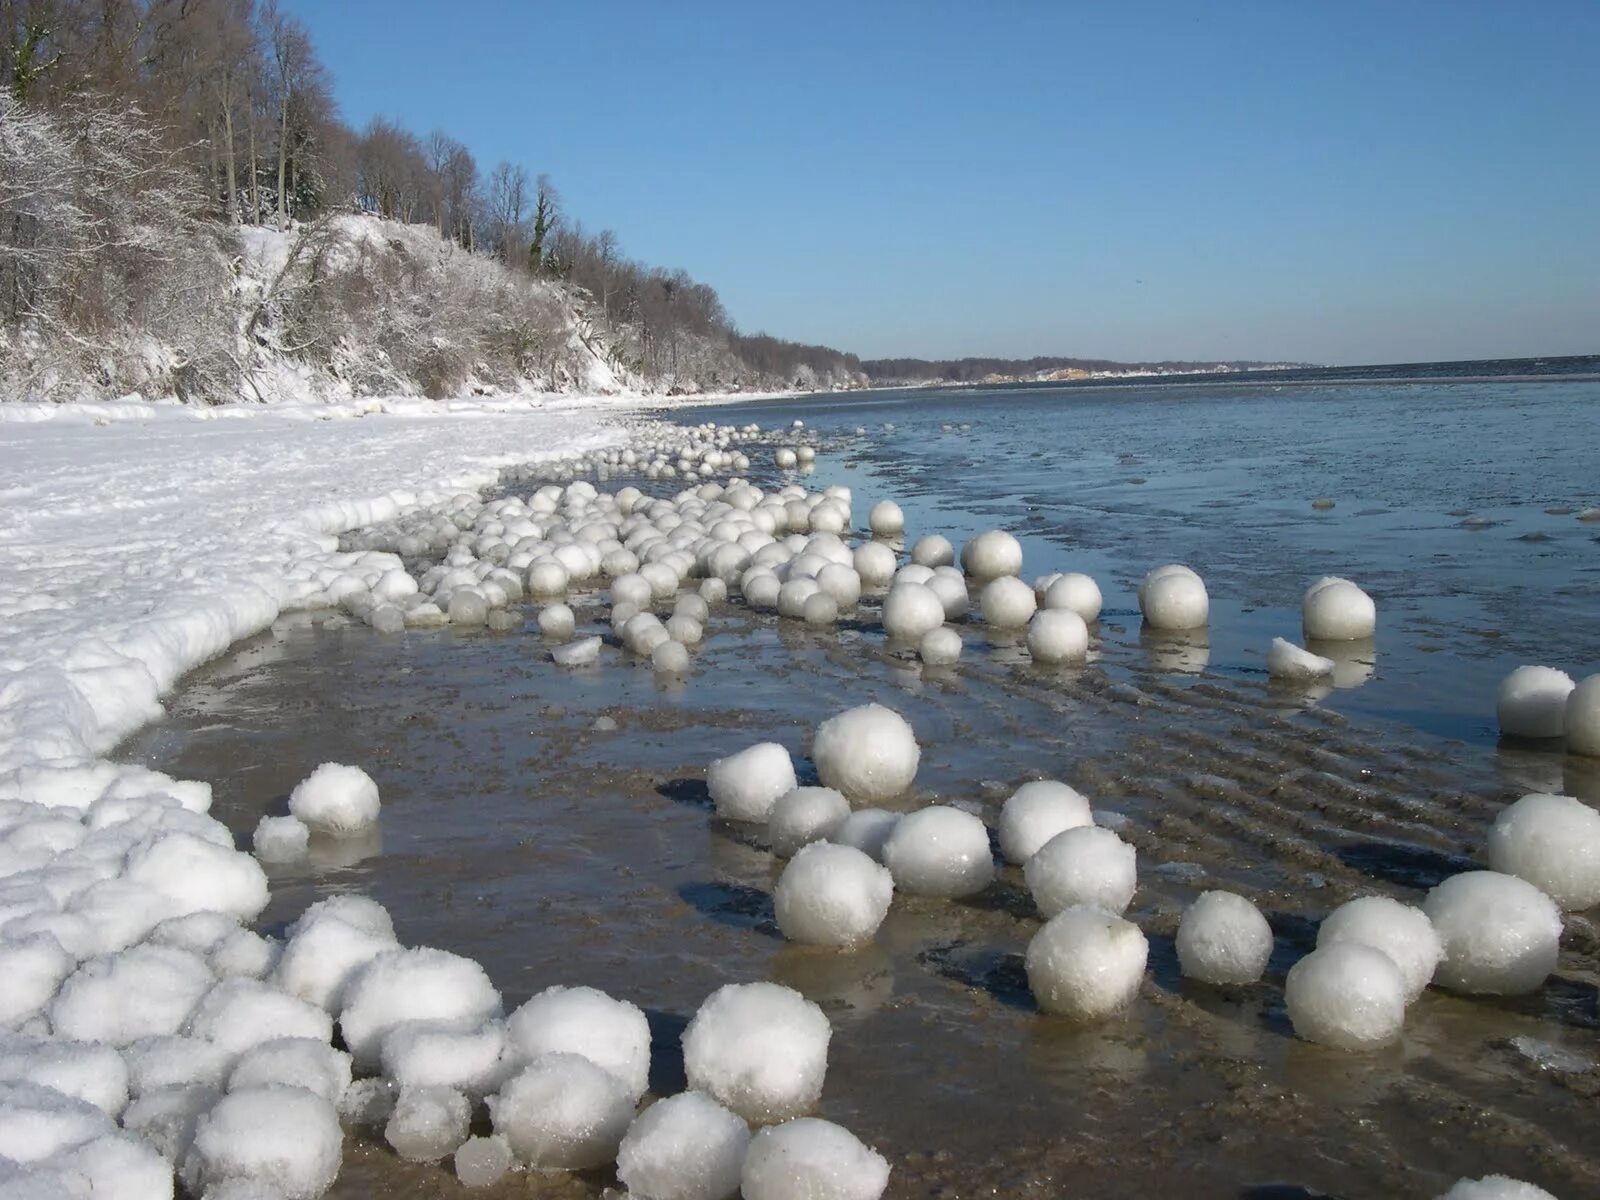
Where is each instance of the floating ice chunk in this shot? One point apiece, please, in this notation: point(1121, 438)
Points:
point(832, 895)
point(1583, 718)
point(173, 1060)
point(1086, 963)
point(1495, 1187)
point(284, 1137)
point(1287, 661)
point(1223, 939)
point(297, 1062)
point(336, 799)
point(911, 611)
point(483, 1161)
point(686, 1147)
point(1554, 843)
point(281, 839)
point(1073, 592)
point(37, 1122)
point(1056, 635)
point(866, 829)
point(868, 753)
point(140, 992)
point(580, 653)
point(1402, 932)
point(33, 968)
point(940, 647)
point(200, 876)
point(428, 1123)
point(803, 815)
point(562, 1111)
point(1501, 935)
point(1174, 597)
point(1336, 610)
point(413, 985)
point(1532, 702)
point(240, 1013)
point(1035, 813)
point(759, 1048)
point(473, 1061)
point(1082, 865)
point(991, 555)
point(815, 1159)
point(745, 786)
point(939, 851)
point(1346, 995)
point(611, 1033)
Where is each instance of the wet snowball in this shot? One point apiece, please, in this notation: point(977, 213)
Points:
point(886, 519)
point(911, 610)
point(868, 753)
point(284, 1137)
point(1336, 610)
point(336, 799)
point(745, 786)
point(281, 839)
point(867, 829)
point(1346, 995)
point(939, 851)
point(1495, 1187)
point(940, 647)
point(1086, 963)
point(1554, 843)
point(1501, 935)
point(686, 1147)
point(1583, 718)
point(670, 658)
point(1532, 702)
point(1057, 636)
point(413, 985)
point(1402, 932)
point(1082, 865)
point(1007, 602)
point(874, 563)
point(483, 1161)
point(1035, 813)
point(562, 1111)
point(1074, 592)
point(814, 1159)
point(428, 1123)
point(806, 814)
point(991, 555)
point(1174, 597)
point(557, 621)
point(759, 1048)
point(832, 895)
point(933, 550)
point(1223, 939)
point(610, 1033)
point(1287, 661)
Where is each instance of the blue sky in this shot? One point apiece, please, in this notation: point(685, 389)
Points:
point(1330, 182)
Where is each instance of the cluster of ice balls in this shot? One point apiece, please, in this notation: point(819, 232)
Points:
point(1544, 703)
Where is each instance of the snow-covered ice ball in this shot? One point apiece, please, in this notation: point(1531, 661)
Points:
point(744, 786)
point(117, 1166)
point(1007, 602)
point(868, 753)
point(563, 1111)
point(36, 1122)
point(686, 1147)
point(557, 621)
point(1501, 935)
point(939, 851)
point(422, 984)
point(326, 948)
point(1174, 597)
point(1346, 995)
point(281, 839)
point(1085, 962)
point(832, 895)
point(806, 814)
point(547, 579)
point(89, 1071)
point(610, 1033)
point(1495, 1187)
point(140, 992)
point(1532, 702)
point(420, 1054)
point(1289, 662)
point(1336, 610)
point(933, 550)
point(336, 799)
point(428, 1123)
point(166, 1117)
point(1074, 592)
point(284, 1137)
point(874, 563)
point(33, 968)
point(237, 1014)
point(171, 1060)
point(199, 875)
point(296, 1061)
point(1402, 932)
point(483, 1161)
point(840, 583)
point(911, 610)
point(1554, 843)
point(992, 554)
point(786, 459)
point(1583, 718)
point(814, 1159)
point(1223, 938)
point(1082, 865)
point(670, 658)
point(713, 591)
point(1056, 635)
point(867, 829)
point(632, 589)
point(1035, 813)
point(886, 519)
point(759, 1048)
point(940, 647)
point(684, 629)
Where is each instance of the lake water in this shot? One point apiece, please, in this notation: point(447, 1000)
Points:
point(555, 825)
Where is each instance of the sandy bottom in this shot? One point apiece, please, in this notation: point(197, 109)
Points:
point(555, 826)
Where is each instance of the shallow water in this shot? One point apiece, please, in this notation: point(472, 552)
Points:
point(522, 829)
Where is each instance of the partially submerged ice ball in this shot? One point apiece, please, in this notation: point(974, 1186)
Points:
point(1553, 842)
point(939, 851)
point(613, 1034)
point(285, 1138)
point(745, 786)
point(1532, 702)
point(562, 1111)
point(803, 815)
point(1223, 939)
point(1057, 635)
point(886, 519)
point(1336, 610)
point(911, 610)
point(759, 1048)
point(940, 647)
point(1086, 963)
point(1082, 865)
point(336, 799)
point(1501, 935)
point(1402, 932)
point(1035, 813)
point(686, 1147)
point(832, 895)
point(1073, 592)
point(1583, 718)
point(1174, 597)
point(868, 753)
point(814, 1159)
point(991, 555)
point(1007, 603)
point(1495, 1187)
point(1346, 995)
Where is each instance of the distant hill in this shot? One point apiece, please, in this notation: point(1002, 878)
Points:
point(1013, 370)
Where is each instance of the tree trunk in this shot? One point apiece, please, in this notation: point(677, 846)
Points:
point(233, 177)
point(255, 168)
point(283, 161)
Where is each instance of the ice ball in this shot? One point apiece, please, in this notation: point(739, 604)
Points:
point(1554, 843)
point(1035, 813)
point(1495, 1187)
point(1174, 597)
point(284, 1137)
point(1501, 935)
point(1074, 592)
point(421, 984)
point(1082, 865)
point(611, 1033)
point(297, 1061)
point(483, 1161)
point(1223, 939)
point(868, 753)
point(1402, 932)
point(911, 610)
point(1336, 610)
point(336, 799)
point(144, 991)
point(832, 895)
point(814, 1159)
point(428, 1123)
point(867, 829)
point(991, 555)
point(745, 786)
point(1007, 602)
point(1346, 995)
point(874, 563)
point(940, 647)
point(686, 1147)
point(939, 851)
point(886, 519)
point(1532, 702)
point(281, 839)
point(759, 1048)
point(557, 621)
point(1583, 718)
point(562, 1111)
point(1056, 635)
point(806, 814)
point(933, 550)
point(1086, 963)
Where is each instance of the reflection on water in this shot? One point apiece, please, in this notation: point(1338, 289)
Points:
point(1180, 651)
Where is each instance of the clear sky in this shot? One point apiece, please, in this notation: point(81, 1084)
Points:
point(1332, 182)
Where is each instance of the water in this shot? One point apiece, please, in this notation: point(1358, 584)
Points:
point(555, 825)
